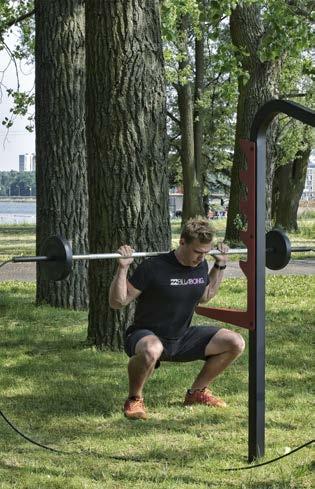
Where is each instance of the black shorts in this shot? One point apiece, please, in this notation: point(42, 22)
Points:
point(189, 347)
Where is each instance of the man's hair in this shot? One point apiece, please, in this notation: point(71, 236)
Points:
point(197, 228)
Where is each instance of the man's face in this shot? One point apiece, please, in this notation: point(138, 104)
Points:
point(194, 252)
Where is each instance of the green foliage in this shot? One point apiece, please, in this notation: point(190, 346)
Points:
point(172, 11)
point(287, 29)
point(239, 222)
point(22, 102)
point(218, 100)
point(23, 49)
point(17, 183)
point(9, 12)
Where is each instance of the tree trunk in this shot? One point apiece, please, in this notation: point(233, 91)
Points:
point(61, 176)
point(246, 32)
point(288, 185)
point(198, 111)
point(190, 133)
point(126, 142)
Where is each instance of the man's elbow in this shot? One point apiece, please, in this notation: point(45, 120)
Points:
point(115, 305)
point(211, 295)
point(207, 298)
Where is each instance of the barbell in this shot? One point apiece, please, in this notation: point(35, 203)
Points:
point(56, 255)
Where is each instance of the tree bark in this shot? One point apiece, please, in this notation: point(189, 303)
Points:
point(288, 186)
point(198, 111)
point(246, 31)
point(61, 175)
point(126, 143)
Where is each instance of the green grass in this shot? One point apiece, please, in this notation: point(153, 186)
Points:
point(20, 239)
point(69, 396)
point(16, 240)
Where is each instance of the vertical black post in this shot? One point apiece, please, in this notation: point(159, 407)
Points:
point(256, 420)
point(256, 437)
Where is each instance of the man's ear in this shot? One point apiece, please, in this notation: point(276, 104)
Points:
point(181, 241)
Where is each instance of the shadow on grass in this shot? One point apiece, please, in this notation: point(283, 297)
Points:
point(60, 400)
point(61, 391)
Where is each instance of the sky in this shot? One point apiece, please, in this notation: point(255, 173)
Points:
point(18, 140)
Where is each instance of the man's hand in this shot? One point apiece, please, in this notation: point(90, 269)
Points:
point(222, 259)
point(125, 250)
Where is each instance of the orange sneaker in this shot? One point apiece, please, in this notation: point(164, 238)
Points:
point(203, 396)
point(134, 408)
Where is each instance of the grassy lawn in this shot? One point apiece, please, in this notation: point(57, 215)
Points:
point(17, 240)
point(20, 239)
point(70, 397)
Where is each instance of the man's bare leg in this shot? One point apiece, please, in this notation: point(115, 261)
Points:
point(222, 350)
point(148, 350)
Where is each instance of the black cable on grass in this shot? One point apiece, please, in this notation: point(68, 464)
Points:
point(41, 445)
point(28, 438)
point(127, 459)
point(270, 461)
point(139, 460)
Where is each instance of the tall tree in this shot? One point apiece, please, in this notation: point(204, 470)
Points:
point(294, 140)
point(126, 144)
point(191, 122)
point(265, 35)
point(61, 175)
point(201, 96)
point(257, 85)
point(289, 181)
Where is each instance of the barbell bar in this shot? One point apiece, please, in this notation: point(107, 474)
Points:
point(56, 255)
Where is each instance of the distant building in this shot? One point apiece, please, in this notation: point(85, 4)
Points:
point(27, 162)
point(309, 189)
point(175, 200)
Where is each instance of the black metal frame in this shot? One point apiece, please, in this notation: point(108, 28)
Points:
point(256, 436)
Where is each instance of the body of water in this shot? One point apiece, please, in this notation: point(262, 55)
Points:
point(12, 212)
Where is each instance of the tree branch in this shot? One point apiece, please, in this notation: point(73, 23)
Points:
point(171, 116)
point(171, 139)
point(297, 9)
point(293, 95)
point(17, 20)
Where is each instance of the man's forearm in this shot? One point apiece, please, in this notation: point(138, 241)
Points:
point(118, 291)
point(215, 277)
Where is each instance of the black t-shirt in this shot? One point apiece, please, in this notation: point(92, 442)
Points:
point(170, 293)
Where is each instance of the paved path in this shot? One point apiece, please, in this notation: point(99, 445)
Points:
point(27, 271)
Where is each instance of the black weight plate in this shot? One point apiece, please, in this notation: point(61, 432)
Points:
point(59, 253)
point(278, 249)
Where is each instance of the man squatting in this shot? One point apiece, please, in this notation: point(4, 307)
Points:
point(168, 288)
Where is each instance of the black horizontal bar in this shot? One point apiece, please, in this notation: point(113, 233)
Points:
point(18, 259)
point(23, 259)
point(270, 109)
point(296, 249)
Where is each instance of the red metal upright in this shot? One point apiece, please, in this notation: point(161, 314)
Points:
point(243, 318)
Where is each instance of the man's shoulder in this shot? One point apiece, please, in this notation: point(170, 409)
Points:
point(159, 259)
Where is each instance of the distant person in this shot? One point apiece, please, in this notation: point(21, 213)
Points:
point(168, 288)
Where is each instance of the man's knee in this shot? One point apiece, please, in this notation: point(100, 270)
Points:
point(225, 341)
point(236, 342)
point(150, 349)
